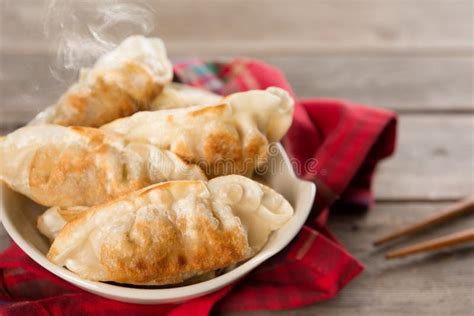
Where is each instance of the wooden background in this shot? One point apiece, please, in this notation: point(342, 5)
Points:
point(415, 57)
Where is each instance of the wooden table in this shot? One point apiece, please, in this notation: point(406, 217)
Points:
point(415, 57)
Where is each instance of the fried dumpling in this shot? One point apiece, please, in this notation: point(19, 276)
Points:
point(55, 218)
point(169, 232)
point(122, 82)
point(71, 166)
point(231, 137)
point(177, 95)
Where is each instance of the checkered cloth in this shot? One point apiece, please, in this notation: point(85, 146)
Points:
point(344, 140)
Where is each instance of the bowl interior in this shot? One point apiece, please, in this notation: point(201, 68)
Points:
point(19, 215)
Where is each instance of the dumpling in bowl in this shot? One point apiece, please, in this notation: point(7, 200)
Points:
point(172, 231)
point(231, 137)
point(177, 95)
point(82, 166)
point(52, 221)
point(122, 82)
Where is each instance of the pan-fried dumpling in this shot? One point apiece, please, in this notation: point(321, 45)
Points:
point(122, 82)
point(70, 166)
point(169, 232)
point(177, 95)
point(53, 219)
point(227, 138)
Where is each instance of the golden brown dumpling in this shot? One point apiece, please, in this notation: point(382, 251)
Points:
point(82, 166)
point(231, 137)
point(53, 219)
point(177, 95)
point(122, 82)
point(172, 231)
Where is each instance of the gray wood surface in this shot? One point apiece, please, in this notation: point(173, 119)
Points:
point(434, 159)
point(412, 56)
point(402, 83)
point(279, 26)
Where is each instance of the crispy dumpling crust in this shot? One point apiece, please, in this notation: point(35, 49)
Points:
point(161, 246)
point(170, 232)
point(177, 95)
point(82, 166)
point(122, 82)
point(231, 137)
point(52, 221)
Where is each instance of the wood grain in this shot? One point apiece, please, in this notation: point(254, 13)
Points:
point(400, 83)
point(429, 284)
point(444, 242)
point(279, 26)
point(433, 161)
point(457, 209)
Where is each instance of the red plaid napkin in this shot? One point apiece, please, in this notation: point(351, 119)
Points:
point(344, 142)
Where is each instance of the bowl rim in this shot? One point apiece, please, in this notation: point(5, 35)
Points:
point(144, 296)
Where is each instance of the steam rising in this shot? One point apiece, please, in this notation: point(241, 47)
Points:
point(82, 30)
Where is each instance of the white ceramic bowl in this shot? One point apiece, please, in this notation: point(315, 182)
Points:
point(18, 214)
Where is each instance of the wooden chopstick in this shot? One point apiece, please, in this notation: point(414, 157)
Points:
point(455, 210)
point(459, 238)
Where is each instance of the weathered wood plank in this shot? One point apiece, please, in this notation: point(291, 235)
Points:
point(4, 238)
point(279, 26)
point(400, 83)
point(429, 284)
point(434, 159)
